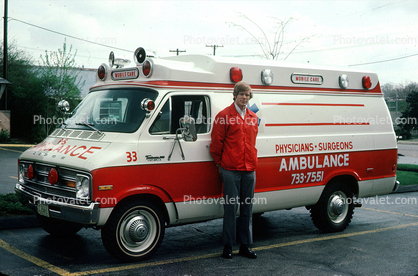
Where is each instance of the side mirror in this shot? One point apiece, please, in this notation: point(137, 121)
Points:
point(64, 106)
point(188, 128)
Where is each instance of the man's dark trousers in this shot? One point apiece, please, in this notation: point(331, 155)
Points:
point(238, 188)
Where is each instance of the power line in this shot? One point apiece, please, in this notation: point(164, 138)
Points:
point(66, 35)
point(385, 60)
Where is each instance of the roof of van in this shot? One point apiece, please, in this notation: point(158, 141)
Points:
point(209, 72)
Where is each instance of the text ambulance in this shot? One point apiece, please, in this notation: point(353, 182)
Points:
point(134, 157)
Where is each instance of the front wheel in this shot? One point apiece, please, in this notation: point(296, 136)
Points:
point(335, 208)
point(134, 231)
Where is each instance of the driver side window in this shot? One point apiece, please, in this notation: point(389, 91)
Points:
point(176, 107)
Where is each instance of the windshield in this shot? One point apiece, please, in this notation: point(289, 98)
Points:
point(115, 110)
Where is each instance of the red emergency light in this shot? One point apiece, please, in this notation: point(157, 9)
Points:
point(53, 176)
point(147, 68)
point(235, 74)
point(147, 105)
point(30, 172)
point(367, 82)
point(102, 72)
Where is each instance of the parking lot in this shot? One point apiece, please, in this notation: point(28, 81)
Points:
point(382, 239)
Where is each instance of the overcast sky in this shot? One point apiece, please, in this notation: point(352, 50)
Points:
point(380, 36)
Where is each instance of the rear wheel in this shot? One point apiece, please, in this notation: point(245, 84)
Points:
point(134, 231)
point(335, 208)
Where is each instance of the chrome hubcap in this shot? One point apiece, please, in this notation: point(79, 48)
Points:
point(138, 231)
point(137, 228)
point(337, 207)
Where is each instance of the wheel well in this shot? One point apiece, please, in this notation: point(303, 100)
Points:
point(153, 198)
point(350, 180)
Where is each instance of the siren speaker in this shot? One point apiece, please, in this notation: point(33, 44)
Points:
point(140, 55)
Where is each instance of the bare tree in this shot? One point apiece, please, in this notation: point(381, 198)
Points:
point(271, 50)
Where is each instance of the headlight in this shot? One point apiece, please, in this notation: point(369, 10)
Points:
point(21, 174)
point(82, 184)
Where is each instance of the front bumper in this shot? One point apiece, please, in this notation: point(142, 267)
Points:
point(59, 209)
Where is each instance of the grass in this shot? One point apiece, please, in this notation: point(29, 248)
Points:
point(407, 174)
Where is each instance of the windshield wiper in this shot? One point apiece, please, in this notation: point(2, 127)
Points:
point(90, 126)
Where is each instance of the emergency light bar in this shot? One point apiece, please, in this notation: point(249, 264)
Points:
point(145, 66)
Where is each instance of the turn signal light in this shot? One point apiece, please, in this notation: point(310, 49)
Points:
point(69, 183)
point(235, 73)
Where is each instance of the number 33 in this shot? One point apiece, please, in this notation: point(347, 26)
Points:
point(131, 156)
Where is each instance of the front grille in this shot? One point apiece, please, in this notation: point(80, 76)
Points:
point(40, 185)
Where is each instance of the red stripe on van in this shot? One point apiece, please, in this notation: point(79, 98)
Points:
point(272, 88)
point(173, 181)
point(313, 104)
point(315, 124)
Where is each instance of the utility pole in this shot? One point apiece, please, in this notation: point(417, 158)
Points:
point(178, 51)
point(5, 50)
point(214, 47)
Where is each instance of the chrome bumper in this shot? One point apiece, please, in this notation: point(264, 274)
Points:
point(83, 214)
point(395, 188)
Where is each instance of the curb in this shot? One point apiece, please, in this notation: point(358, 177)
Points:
point(16, 145)
point(30, 221)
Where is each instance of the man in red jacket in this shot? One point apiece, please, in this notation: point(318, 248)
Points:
point(233, 149)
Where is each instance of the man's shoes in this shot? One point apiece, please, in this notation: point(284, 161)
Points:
point(227, 253)
point(246, 251)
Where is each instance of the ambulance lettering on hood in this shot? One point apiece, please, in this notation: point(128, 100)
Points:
point(78, 151)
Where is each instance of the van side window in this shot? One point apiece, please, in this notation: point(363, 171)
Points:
point(176, 107)
point(162, 124)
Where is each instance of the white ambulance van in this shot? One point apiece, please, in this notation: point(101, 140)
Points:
point(133, 158)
